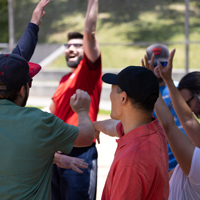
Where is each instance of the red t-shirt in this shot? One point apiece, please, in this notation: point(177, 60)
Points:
point(87, 77)
point(140, 167)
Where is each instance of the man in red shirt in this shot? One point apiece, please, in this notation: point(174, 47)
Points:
point(83, 57)
point(140, 166)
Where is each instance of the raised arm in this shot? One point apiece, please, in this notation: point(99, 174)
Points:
point(90, 43)
point(107, 127)
point(27, 43)
point(181, 146)
point(184, 113)
point(80, 103)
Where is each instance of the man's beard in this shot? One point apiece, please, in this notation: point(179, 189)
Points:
point(25, 98)
point(74, 64)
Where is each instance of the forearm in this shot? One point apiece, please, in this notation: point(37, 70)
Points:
point(181, 146)
point(107, 127)
point(86, 130)
point(91, 17)
point(91, 46)
point(27, 43)
point(185, 115)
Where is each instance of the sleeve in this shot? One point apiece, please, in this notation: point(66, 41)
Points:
point(65, 137)
point(27, 43)
point(60, 134)
point(195, 169)
point(129, 182)
point(92, 66)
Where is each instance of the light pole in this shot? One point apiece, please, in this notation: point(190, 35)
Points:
point(187, 36)
point(11, 25)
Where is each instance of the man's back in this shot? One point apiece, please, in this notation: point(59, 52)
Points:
point(28, 141)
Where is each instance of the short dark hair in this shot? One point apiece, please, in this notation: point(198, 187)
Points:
point(11, 94)
point(190, 81)
point(147, 105)
point(74, 35)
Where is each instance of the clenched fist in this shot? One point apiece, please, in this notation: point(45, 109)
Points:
point(80, 101)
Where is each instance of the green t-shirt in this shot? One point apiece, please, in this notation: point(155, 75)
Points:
point(29, 138)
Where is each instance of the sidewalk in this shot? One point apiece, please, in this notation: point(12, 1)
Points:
point(106, 150)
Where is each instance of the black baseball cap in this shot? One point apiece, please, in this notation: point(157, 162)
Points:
point(138, 82)
point(15, 71)
point(160, 51)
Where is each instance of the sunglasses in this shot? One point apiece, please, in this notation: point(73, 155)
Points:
point(189, 100)
point(30, 83)
point(164, 64)
point(77, 45)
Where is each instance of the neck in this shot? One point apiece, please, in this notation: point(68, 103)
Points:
point(72, 70)
point(134, 119)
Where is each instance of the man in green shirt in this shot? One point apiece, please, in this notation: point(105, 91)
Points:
point(30, 137)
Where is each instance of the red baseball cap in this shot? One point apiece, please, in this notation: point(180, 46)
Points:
point(15, 71)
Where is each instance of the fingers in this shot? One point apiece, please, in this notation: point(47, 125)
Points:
point(97, 133)
point(145, 63)
point(80, 94)
point(39, 13)
point(79, 163)
point(42, 4)
point(80, 101)
point(158, 68)
point(151, 65)
point(72, 99)
point(142, 62)
point(171, 57)
point(76, 169)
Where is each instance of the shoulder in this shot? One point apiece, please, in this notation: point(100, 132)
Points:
point(93, 66)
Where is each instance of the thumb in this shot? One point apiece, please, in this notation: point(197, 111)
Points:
point(73, 98)
point(160, 70)
point(43, 13)
point(98, 139)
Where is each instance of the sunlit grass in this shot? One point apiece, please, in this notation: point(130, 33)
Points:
point(141, 29)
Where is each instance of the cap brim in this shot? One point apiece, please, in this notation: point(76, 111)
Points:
point(33, 69)
point(160, 60)
point(110, 78)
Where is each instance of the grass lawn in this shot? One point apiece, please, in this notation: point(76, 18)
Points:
point(115, 38)
point(120, 24)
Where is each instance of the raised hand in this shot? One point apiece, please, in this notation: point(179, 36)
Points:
point(39, 12)
point(166, 72)
point(150, 65)
point(80, 101)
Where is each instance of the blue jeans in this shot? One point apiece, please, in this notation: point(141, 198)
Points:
point(70, 185)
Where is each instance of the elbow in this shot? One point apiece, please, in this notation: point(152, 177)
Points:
point(89, 33)
point(85, 138)
point(90, 141)
point(90, 138)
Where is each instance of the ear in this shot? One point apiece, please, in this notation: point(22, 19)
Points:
point(21, 93)
point(124, 98)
